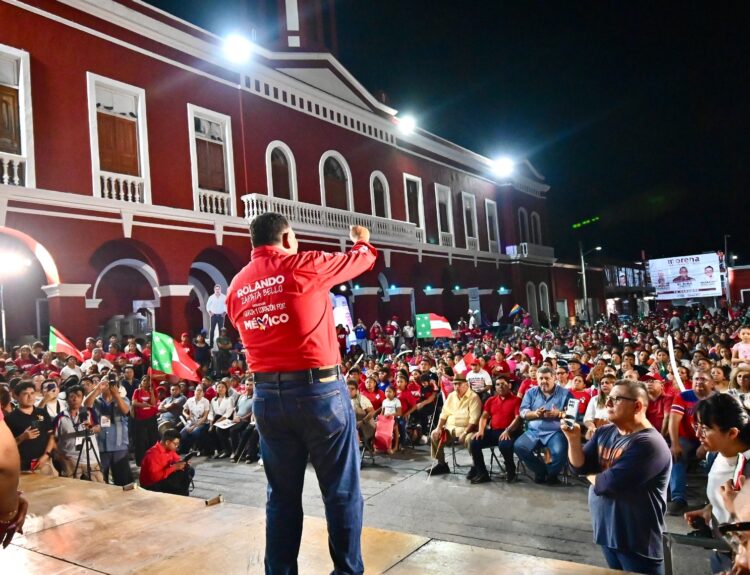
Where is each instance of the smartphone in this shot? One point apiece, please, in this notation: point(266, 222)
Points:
point(571, 412)
point(189, 456)
point(738, 471)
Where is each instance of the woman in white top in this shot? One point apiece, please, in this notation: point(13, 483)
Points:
point(222, 407)
point(723, 426)
point(596, 411)
point(195, 413)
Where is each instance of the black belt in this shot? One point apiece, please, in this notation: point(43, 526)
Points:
point(302, 375)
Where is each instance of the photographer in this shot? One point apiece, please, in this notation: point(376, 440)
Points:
point(111, 411)
point(32, 428)
point(162, 468)
point(69, 430)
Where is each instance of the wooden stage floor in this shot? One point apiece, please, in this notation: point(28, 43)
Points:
point(76, 527)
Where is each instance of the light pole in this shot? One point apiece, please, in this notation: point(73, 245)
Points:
point(11, 264)
point(727, 260)
point(583, 276)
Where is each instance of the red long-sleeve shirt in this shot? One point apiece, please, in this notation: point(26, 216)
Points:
point(280, 305)
point(157, 465)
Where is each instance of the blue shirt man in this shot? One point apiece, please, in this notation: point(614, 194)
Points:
point(543, 407)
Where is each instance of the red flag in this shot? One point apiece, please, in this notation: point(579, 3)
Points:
point(61, 344)
point(464, 365)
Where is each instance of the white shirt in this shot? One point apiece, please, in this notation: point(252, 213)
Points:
point(217, 304)
point(196, 408)
point(721, 472)
point(593, 411)
point(68, 371)
point(478, 381)
point(390, 406)
point(221, 407)
point(100, 364)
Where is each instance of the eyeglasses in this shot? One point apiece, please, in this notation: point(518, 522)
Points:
point(617, 399)
point(735, 533)
point(700, 430)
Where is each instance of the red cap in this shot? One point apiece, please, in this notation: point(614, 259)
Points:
point(184, 334)
point(53, 374)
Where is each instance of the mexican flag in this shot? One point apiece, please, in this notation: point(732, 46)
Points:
point(61, 344)
point(172, 359)
point(433, 325)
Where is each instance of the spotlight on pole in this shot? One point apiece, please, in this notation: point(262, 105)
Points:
point(342, 287)
point(503, 167)
point(407, 124)
point(237, 49)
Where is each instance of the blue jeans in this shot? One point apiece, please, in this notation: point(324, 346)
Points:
point(188, 439)
point(297, 419)
point(678, 479)
point(625, 561)
point(558, 446)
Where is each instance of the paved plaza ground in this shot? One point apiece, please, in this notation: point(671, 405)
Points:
point(522, 517)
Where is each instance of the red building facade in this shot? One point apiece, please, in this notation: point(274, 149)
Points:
point(133, 154)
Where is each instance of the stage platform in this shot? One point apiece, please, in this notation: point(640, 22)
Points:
point(76, 527)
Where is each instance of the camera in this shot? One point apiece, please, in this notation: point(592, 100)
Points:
point(50, 387)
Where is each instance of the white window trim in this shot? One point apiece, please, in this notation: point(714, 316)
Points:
point(386, 190)
point(226, 127)
point(491, 205)
point(292, 168)
point(91, 82)
point(409, 177)
point(25, 110)
point(440, 188)
point(349, 186)
point(523, 238)
point(464, 197)
point(544, 302)
point(536, 238)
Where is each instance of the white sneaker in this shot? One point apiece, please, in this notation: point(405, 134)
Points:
point(423, 440)
point(260, 462)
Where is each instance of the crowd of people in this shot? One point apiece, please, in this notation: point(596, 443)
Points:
point(509, 388)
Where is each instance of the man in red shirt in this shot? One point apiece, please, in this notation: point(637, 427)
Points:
point(281, 307)
point(659, 405)
point(145, 430)
point(499, 426)
point(162, 469)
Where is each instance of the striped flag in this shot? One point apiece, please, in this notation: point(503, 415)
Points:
point(433, 325)
point(61, 344)
point(514, 310)
point(172, 359)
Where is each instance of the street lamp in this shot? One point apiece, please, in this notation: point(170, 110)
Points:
point(237, 49)
point(12, 264)
point(503, 167)
point(583, 275)
point(407, 124)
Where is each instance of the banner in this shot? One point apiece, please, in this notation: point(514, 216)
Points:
point(686, 276)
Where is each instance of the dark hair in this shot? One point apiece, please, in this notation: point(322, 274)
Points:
point(74, 389)
point(170, 435)
point(725, 412)
point(23, 385)
point(266, 229)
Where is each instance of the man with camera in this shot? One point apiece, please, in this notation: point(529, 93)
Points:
point(76, 439)
point(32, 428)
point(162, 469)
point(111, 411)
point(628, 464)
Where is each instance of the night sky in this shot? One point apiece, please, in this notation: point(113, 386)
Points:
point(636, 112)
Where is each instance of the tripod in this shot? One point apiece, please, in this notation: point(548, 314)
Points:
point(87, 446)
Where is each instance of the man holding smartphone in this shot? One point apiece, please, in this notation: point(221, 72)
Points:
point(162, 469)
point(628, 464)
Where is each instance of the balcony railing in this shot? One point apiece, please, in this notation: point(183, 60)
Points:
point(331, 221)
point(211, 202)
point(526, 250)
point(446, 239)
point(494, 248)
point(121, 187)
point(12, 169)
point(472, 244)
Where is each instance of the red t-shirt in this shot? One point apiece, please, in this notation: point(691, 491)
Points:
point(157, 465)
point(341, 336)
point(502, 410)
point(496, 367)
point(143, 396)
point(407, 400)
point(526, 385)
point(658, 409)
point(376, 397)
point(584, 396)
point(280, 304)
point(684, 403)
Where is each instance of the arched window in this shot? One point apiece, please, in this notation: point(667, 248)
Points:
point(380, 197)
point(536, 229)
point(544, 298)
point(523, 225)
point(335, 182)
point(531, 302)
point(281, 171)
